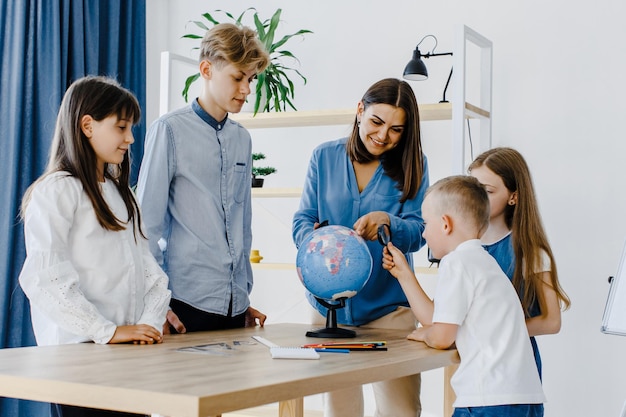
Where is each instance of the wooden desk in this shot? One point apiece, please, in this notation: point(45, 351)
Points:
point(160, 379)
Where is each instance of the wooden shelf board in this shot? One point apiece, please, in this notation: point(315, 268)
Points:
point(426, 270)
point(276, 192)
point(428, 112)
point(273, 265)
point(474, 112)
point(289, 266)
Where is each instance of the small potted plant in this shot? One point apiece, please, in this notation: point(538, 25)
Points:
point(260, 171)
point(273, 84)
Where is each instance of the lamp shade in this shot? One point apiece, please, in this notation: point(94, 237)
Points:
point(416, 70)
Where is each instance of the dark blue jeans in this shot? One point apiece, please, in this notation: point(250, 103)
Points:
point(515, 410)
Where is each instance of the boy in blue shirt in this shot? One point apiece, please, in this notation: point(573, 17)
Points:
point(194, 185)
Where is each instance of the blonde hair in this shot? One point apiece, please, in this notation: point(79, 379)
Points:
point(527, 231)
point(462, 195)
point(238, 45)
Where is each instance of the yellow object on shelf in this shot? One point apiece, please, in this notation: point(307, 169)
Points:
point(255, 257)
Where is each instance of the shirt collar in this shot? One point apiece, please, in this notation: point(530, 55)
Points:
point(207, 117)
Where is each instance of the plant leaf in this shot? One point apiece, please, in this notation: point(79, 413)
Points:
point(260, 28)
point(273, 84)
point(287, 37)
point(199, 24)
point(208, 17)
point(301, 76)
point(188, 83)
point(239, 19)
point(271, 30)
point(226, 13)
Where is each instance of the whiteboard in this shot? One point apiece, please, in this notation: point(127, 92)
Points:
point(614, 317)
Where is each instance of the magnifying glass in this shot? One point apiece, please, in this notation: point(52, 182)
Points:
point(384, 234)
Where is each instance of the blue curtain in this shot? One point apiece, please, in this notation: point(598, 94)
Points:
point(44, 46)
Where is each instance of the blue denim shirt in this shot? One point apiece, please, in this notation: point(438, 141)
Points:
point(194, 192)
point(331, 193)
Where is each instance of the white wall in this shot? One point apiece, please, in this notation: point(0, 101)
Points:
point(558, 98)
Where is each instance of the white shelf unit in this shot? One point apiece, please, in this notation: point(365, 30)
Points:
point(458, 111)
point(428, 112)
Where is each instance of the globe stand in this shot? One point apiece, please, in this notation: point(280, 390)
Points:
point(331, 330)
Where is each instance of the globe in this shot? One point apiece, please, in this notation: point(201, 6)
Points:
point(334, 262)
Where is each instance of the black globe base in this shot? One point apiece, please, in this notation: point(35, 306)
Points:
point(331, 333)
point(331, 330)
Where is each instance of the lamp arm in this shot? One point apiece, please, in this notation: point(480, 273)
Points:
point(428, 54)
point(446, 88)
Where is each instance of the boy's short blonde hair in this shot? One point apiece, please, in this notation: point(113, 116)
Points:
point(227, 43)
point(464, 196)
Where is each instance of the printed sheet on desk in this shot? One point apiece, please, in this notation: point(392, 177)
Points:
point(282, 352)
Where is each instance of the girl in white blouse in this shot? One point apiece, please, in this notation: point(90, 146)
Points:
point(89, 274)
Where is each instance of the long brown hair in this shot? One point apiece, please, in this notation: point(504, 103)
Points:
point(405, 162)
point(71, 151)
point(527, 231)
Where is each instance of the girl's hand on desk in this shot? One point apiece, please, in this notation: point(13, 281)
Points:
point(141, 334)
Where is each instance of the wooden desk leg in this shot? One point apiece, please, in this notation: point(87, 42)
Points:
point(448, 393)
point(291, 408)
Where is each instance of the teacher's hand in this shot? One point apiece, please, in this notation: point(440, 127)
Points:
point(367, 226)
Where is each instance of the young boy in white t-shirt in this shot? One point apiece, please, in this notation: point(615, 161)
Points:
point(474, 306)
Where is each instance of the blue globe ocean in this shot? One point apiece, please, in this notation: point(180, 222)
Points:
point(334, 262)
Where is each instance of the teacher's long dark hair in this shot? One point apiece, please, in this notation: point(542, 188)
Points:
point(405, 162)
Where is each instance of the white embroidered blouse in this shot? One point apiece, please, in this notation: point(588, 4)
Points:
point(81, 279)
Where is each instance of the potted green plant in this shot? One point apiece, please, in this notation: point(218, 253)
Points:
point(260, 171)
point(274, 83)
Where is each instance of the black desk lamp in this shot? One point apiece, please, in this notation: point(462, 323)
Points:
point(416, 70)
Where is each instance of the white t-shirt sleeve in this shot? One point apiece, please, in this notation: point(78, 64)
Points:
point(453, 295)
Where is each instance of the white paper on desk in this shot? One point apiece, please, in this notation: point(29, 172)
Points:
point(220, 349)
point(293, 353)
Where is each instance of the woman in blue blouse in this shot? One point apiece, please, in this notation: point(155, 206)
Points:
point(378, 175)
